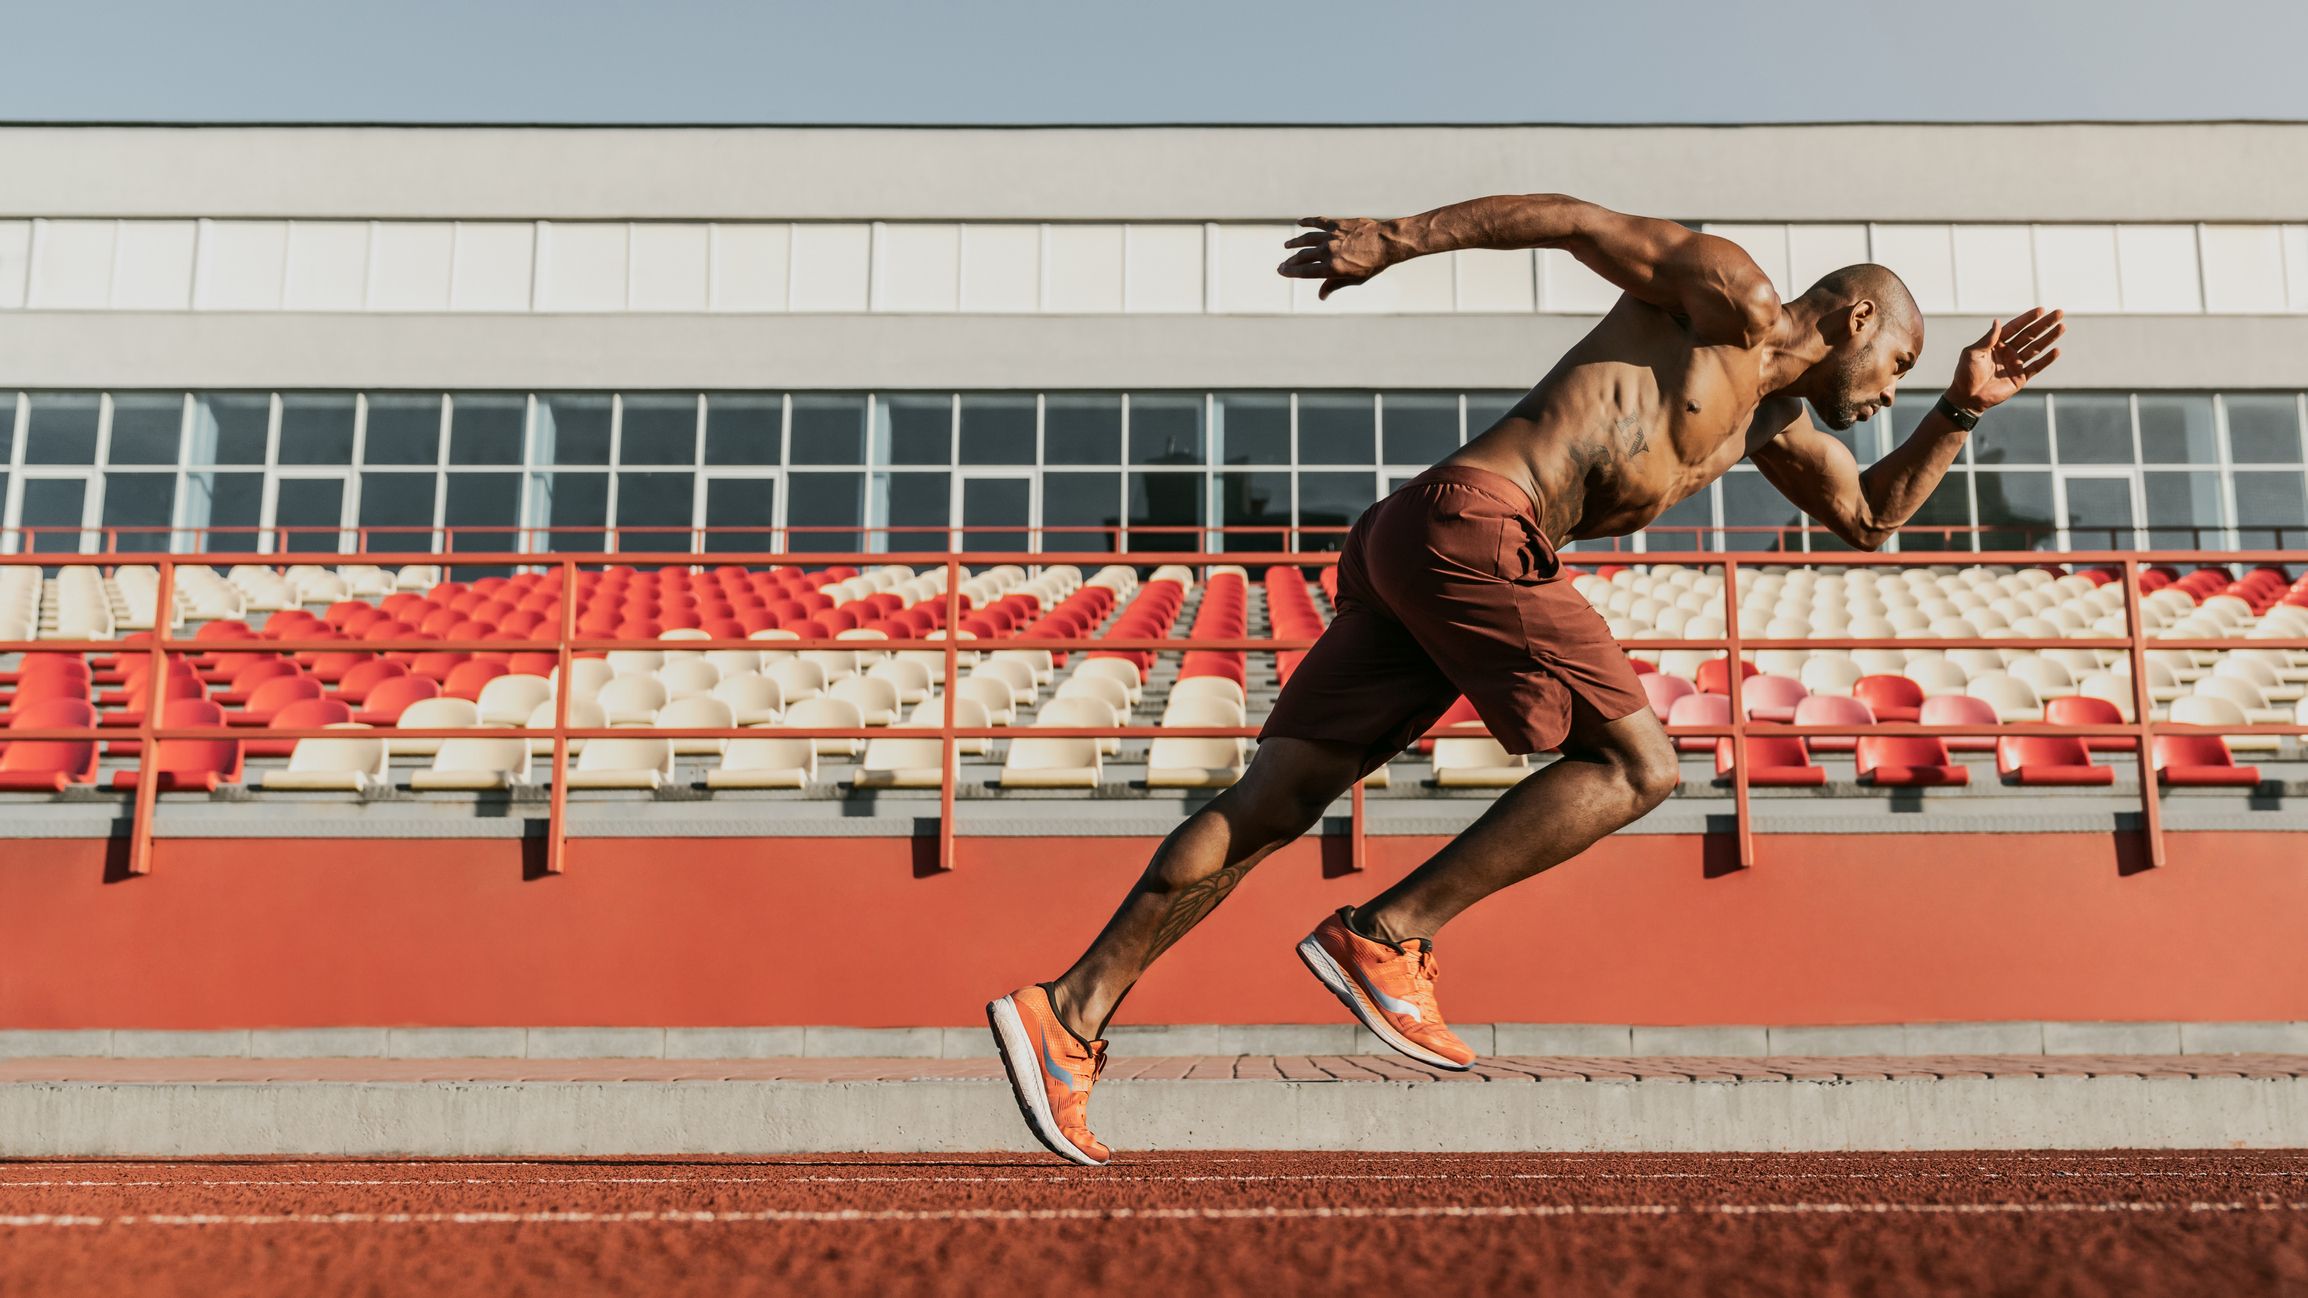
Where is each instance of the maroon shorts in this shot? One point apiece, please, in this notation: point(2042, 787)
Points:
point(1448, 587)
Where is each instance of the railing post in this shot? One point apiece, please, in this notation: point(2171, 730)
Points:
point(1742, 812)
point(155, 700)
point(2136, 648)
point(950, 773)
point(557, 807)
point(1358, 834)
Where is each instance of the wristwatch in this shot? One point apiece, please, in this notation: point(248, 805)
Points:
point(1957, 415)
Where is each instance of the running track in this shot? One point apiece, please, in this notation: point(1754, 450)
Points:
point(1249, 1223)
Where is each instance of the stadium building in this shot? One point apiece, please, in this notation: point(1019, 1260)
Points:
point(407, 344)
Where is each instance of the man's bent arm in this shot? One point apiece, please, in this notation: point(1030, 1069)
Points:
point(1709, 281)
point(1864, 507)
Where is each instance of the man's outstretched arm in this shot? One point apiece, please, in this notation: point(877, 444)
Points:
point(1817, 472)
point(1707, 279)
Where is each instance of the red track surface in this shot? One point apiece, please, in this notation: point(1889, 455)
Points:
point(1263, 1223)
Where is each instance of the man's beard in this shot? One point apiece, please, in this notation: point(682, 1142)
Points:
point(1844, 411)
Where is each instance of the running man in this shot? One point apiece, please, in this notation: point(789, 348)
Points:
point(1451, 586)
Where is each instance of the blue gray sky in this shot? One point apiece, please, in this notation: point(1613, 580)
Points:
point(1093, 61)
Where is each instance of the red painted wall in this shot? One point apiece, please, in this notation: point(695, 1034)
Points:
point(697, 932)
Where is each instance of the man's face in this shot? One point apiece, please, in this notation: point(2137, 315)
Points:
point(1862, 373)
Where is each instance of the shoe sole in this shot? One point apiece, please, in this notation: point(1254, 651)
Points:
point(1017, 1051)
point(1342, 985)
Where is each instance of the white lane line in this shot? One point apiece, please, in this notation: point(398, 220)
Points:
point(1000, 1215)
point(1980, 1173)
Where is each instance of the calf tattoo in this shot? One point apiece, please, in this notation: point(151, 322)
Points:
point(1189, 904)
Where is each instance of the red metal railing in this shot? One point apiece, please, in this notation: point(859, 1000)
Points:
point(566, 644)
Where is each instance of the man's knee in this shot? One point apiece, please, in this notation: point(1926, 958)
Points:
point(1283, 794)
point(1645, 763)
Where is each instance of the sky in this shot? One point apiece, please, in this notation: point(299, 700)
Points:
point(1096, 62)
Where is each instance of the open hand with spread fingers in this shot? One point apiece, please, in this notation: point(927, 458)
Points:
point(1339, 251)
point(1994, 369)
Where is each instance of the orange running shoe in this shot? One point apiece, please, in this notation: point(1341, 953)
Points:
point(1051, 1072)
point(1389, 987)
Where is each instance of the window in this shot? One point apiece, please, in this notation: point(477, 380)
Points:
point(1249, 499)
point(1486, 409)
point(824, 501)
point(62, 428)
point(2177, 430)
point(146, 428)
point(486, 428)
point(1079, 428)
point(316, 429)
point(915, 429)
point(1750, 502)
point(1082, 511)
point(572, 430)
point(1332, 501)
point(403, 429)
point(2015, 510)
point(1948, 506)
point(829, 430)
point(1166, 430)
point(397, 509)
point(1254, 428)
point(222, 510)
point(997, 430)
point(921, 500)
point(2016, 432)
point(1679, 528)
point(481, 510)
point(2263, 428)
point(1420, 427)
point(2094, 429)
point(1165, 500)
point(138, 508)
point(230, 428)
point(1338, 428)
point(654, 509)
point(2271, 508)
point(2186, 505)
point(744, 430)
point(573, 507)
point(658, 430)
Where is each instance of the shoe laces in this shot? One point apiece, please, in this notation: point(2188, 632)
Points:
point(1073, 1109)
point(1420, 965)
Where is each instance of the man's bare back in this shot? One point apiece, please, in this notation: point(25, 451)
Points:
point(1698, 365)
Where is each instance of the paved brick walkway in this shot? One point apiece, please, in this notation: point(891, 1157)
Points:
point(1292, 1068)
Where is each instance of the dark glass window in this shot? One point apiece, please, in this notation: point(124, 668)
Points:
point(1250, 499)
point(481, 509)
point(1420, 427)
point(229, 428)
point(2016, 432)
point(744, 430)
point(1165, 430)
point(2268, 500)
point(2094, 429)
point(1750, 501)
point(1082, 428)
point(2015, 510)
point(63, 428)
point(574, 506)
point(2177, 430)
point(824, 500)
point(1165, 500)
point(829, 430)
point(1949, 505)
point(1670, 531)
point(1486, 409)
point(139, 506)
point(2099, 513)
point(654, 510)
point(2263, 428)
point(572, 430)
point(657, 430)
point(146, 428)
point(397, 508)
point(1331, 501)
point(918, 429)
point(997, 430)
point(920, 501)
point(1337, 428)
point(316, 428)
point(485, 428)
point(1081, 511)
point(51, 512)
point(1254, 428)
point(225, 507)
point(2178, 500)
point(403, 428)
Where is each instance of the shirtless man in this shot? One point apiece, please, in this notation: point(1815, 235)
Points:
point(1451, 586)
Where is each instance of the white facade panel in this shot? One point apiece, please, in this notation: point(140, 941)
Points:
point(670, 267)
point(1082, 269)
point(749, 266)
point(152, 266)
point(1421, 286)
point(243, 265)
point(917, 267)
point(1995, 269)
point(1767, 244)
point(72, 264)
point(1242, 275)
point(2243, 268)
point(1923, 256)
point(1162, 268)
point(1001, 268)
point(328, 266)
point(1493, 279)
point(831, 266)
point(409, 265)
point(2296, 266)
point(581, 266)
point(1565, 284)
point(2156, 265)
point(1814, 250)
point(493, 266)
point(15, 262)
point(2076, 267)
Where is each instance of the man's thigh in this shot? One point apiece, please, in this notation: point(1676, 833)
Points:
point(1366, 685)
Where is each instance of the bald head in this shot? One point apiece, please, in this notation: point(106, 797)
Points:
point(1874, 334)
point(1868, 282)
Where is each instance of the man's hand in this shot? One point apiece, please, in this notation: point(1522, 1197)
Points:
point(1339, 252)
point(1994, 369)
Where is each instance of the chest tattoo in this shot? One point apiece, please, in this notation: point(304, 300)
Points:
point(1634, 424)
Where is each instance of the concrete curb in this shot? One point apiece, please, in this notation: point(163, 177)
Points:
point(553, 1118)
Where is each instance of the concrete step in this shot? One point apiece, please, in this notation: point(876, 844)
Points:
point(180, 1107)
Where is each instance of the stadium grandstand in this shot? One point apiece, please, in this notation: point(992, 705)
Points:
point(456, 577)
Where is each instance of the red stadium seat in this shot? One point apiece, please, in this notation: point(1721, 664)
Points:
point(273, 695)
point(466, 679)
point(356, 683)
point(1833, 710)
point(2048, 759)
point(1771, 698)
point(1663, 690)
point(2083, 710)
point(1699, 710)
point(1906, 761)
point(2200, 760)
point(1779, 760)
point(1962, 710)
point(251, 675)
point(189, 765)
point(384, 704)
point(1890, 698)
point(1714, 676)
point(49, 764)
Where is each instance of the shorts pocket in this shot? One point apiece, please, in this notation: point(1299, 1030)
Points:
point(1524, 557)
